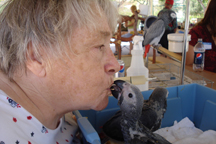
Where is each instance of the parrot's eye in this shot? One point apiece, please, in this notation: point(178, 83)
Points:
point(130, 95)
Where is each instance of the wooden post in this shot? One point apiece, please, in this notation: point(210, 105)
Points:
point(135, 22)
point(118, 44)
point(154, 56)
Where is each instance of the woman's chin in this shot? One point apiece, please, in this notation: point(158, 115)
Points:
point(103, 104)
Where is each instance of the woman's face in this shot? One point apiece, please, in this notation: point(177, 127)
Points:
point(84, 80)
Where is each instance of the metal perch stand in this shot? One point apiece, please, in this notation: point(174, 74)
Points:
point(174, 56)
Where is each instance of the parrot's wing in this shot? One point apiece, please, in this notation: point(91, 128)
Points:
point(154, 31)
point(112, 127)
point(144, 34)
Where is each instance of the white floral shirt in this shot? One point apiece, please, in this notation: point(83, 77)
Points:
point(18, 126)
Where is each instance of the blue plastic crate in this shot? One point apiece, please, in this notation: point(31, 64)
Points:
point(194, 101)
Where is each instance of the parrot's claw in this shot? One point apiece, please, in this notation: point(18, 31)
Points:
point(156, 47)
point(159, 45)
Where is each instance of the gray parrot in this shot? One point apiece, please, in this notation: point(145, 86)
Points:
point(130, 100)
point(153, 34)
point(152, 113)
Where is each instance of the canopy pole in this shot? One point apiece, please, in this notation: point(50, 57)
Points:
point(185, 41)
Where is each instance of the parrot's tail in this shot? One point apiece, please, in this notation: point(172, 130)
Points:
point(147, 47)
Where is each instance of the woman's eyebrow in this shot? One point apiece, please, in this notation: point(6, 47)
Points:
point(97, 38)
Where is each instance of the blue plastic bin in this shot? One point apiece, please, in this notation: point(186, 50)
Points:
point(194, 101)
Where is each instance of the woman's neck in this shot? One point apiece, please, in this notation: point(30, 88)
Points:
point(32, 102)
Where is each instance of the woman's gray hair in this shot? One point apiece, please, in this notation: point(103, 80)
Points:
point(45, 25)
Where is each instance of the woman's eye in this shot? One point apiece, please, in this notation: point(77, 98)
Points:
point(101, 47)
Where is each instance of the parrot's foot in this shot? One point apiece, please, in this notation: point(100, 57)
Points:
point(156, 47)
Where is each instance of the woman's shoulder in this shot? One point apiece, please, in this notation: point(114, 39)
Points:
point(199, 31)
point(197, 28)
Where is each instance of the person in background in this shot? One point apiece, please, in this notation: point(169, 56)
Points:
point(52, 63)
point(171, 28)
point(129, 24)
point(205, 29)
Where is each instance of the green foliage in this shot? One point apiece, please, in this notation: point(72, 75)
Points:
point(2, 5)
point(145, 2)
point(158, 6)
point(196, 9)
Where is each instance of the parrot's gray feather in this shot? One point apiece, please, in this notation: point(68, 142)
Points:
point(131, 110)
point(156, 30)
point(152, 113)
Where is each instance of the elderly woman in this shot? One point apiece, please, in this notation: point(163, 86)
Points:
point(55, 58)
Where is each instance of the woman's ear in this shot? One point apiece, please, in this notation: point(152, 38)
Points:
point(33, 63)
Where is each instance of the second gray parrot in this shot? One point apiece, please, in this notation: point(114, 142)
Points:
point(153, 34)
point(130, 100)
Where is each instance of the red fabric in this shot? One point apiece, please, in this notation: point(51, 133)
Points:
point(210, 55)
point(147, 47)
point(169, 2)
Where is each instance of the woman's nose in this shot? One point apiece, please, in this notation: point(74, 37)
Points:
point(112, 66)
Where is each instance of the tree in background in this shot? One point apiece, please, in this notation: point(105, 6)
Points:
point(124, 5)
point(197, 7)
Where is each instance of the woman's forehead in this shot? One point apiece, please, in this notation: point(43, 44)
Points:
point(101, 30)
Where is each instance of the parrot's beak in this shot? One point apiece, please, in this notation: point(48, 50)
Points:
point(117, 87)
